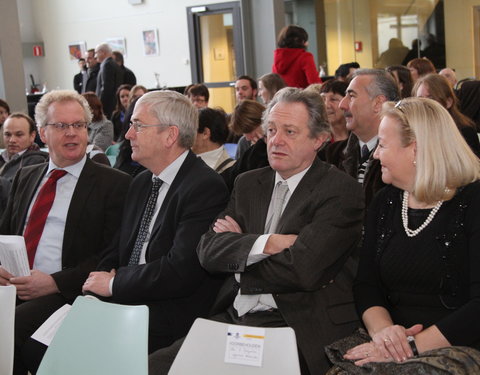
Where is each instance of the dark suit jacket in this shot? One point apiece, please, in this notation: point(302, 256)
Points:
point(93, 218)
point(311, 281)
point(172, 282)
point(108, 79)
point(345, 155)
point(91, 84)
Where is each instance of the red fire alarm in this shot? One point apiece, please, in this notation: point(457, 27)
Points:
point(358, 46)
point(37, 50)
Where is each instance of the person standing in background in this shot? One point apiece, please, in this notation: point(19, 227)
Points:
point(291, 60)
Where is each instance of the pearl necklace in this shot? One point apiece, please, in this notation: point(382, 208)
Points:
point(431, 215)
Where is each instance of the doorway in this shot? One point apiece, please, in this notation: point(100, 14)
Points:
point(216, 50)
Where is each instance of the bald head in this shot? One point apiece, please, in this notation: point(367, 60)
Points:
point(102, 52)
point(450, 75)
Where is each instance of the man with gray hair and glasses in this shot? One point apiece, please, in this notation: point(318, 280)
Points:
point(286, 238)
point(68, 211)
point(169, 206)
point(362, 106)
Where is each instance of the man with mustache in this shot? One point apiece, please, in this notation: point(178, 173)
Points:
point(362, 106)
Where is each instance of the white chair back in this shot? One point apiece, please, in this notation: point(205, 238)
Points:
point(7, 324)
point(203, 352)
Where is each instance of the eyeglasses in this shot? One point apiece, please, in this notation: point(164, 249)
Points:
point(138, 126)
point(62, 126)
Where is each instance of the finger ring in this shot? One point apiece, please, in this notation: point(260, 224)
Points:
point(386, 340)
point(367, 354)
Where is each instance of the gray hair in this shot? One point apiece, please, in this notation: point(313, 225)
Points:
point(317, 114)
point(382, 84)
point(173, 108)
point(105, 47)
point(55, 96)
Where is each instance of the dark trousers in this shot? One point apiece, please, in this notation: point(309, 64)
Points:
point(159, 362)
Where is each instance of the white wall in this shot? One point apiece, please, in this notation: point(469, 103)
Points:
point(60, 22)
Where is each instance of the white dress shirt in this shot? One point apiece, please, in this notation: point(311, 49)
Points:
point(48, 257)
point(266, 301)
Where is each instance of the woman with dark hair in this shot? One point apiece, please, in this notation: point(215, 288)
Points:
point(246, 120)
point(118, 114)
point(268, 85)
point(402, 76)
point(420, 67)
point(436, 87)
point(291, 60)
point(100, 130)
point(124, 160)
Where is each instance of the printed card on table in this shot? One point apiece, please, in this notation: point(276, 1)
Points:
point(245, 345)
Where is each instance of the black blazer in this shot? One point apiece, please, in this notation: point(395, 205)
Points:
point(172, 283)
point(108, 79)
point(311, 281)
point(92, 219)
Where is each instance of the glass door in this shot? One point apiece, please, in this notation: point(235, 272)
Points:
point(216, 50)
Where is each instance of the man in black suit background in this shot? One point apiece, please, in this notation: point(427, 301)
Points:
point(287, 238)
point(93, 67)
point(109, 78)
point(84, 215)
point(169, 206)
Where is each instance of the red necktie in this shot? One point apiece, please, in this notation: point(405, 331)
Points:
point(39, 213)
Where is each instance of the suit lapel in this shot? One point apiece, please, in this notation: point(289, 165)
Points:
point(304, 189)
point(261, 200)
point(30, 190)
point(81, 195)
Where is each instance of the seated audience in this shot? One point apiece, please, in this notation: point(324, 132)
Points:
point(100, 130)
point(292, 61)
point(19, 136)
point(417, 284)
point(402, 76)
point(246, 120)
point(169, 206)
point(420, 67)
point(199, 95)
point(436, 87)
point(211, 135)
point(268, 85)
point(118, 115)
point(245, 88)
point(286, 238)
point(333, 92)
point(124, 160)
point(450, 75)
point(136, 92)
point(4, 113)
point(362, 104)
point(345, 71)
point(469, 96)
point(68, 210)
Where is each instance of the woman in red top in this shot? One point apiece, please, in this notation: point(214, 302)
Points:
point(291, 60)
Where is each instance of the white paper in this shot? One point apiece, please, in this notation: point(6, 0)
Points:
point(13, 255)
point(245, 345)
point(48, 329)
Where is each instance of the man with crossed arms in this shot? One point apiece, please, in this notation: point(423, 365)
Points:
point(286, 238)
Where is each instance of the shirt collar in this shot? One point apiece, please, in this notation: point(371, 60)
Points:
point(292, 181)
point(370, 144)
point(169, 173)
point(74, 169)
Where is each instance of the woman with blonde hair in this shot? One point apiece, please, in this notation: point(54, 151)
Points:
point(418, 286)
point(436, 87)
